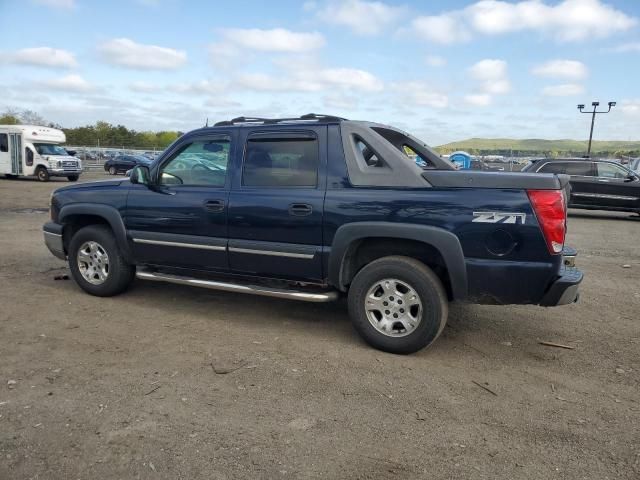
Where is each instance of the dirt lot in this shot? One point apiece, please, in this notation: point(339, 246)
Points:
point(125, 387)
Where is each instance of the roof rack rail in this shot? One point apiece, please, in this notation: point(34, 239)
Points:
point(309, 117)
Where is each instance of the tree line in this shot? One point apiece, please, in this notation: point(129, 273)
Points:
point(101, 134)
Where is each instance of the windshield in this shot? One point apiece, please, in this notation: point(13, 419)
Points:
point(49, 149)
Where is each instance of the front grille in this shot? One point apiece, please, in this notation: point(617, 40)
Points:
point(69, 165)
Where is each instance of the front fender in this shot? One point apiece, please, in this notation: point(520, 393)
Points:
point(442, 240)
point(110, 214)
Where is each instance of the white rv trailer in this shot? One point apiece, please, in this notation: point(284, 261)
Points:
point(27, 150)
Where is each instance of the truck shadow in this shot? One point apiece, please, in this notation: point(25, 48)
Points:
point(471, 331)
point(327, 319)
point(601, 215)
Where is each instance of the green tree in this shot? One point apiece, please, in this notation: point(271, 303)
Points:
point(8, 119)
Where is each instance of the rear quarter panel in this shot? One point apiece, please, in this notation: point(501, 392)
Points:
point(496, 274)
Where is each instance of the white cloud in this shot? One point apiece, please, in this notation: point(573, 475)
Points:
point(569, 69)
point(275, 40)
point(492, 76)
point(435, 61)
point(444, 29)
point(124, 52)
point(630, 107)
point(564, 90)
point(200, 87)
point(44, 57)
point(421, 94)
point(69, 83)
point(346, 77)
point(340, 102)
point(56, 3)
point(361, 17)
point(306, 79)
point(625, 47)
point(144, 87)
point(567, 21)
point(478, 99)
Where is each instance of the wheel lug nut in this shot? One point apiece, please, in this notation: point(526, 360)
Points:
point(385, 303)
point(387, 312)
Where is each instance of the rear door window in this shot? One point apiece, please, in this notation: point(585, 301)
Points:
point(553, 167)
point(608, 170)
point(584, 169)
point(281, 161)
point(4, 142)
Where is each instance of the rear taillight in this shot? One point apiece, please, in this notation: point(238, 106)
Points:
point(550, 209)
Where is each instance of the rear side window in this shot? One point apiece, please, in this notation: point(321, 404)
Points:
point(4, 142)
point(611, 171)
point(579, 168)
point(553, 168)
point(367, 155)
point(281, 162)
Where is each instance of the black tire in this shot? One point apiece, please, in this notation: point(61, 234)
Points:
point(120, 273)
point(113, 171)
point(42, 174)
point(427, 286)
point(73, 178)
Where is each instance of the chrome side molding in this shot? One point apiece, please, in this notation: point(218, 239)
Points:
point(317, 297)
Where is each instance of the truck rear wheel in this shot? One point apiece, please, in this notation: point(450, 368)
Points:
point(398, 305)
point(96, 263)
point(42, 174)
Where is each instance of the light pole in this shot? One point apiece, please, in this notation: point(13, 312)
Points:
point(593, 118)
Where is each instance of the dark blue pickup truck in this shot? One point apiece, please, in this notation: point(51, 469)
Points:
point(315, 207)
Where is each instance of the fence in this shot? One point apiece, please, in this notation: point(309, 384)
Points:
point(94, 157)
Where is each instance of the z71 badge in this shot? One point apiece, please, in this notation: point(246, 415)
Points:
point(499, 217)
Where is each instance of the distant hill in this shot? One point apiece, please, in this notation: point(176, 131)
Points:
point(535, 145)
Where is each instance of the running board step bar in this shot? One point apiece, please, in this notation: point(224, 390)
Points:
point(318, 297)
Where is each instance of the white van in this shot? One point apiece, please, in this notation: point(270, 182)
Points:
point(32, 150)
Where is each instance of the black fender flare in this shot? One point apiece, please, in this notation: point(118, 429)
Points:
point(110, 214)
point(442, 240)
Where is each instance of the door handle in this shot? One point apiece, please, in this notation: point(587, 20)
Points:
point(215, 206)
point(604, 180)
point(300, 209)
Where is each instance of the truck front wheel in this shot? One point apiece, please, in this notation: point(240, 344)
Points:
point(398, 305)
point(73, 178)
point(96, 263)
point(42, 174)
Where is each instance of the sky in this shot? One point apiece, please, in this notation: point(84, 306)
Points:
point(442, 70)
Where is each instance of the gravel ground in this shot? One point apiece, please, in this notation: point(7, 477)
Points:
point(172, 382)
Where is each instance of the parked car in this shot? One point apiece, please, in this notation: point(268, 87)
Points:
point(595, 184)
point(123, 163)
point(317, 207)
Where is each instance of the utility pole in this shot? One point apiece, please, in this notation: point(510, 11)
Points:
point(593, 118)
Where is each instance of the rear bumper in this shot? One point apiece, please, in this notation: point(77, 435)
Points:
point(564, 290)
point(53, 239)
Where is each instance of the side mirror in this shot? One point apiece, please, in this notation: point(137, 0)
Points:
point(140, 175)
point(631, 177)
point(72, 152)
